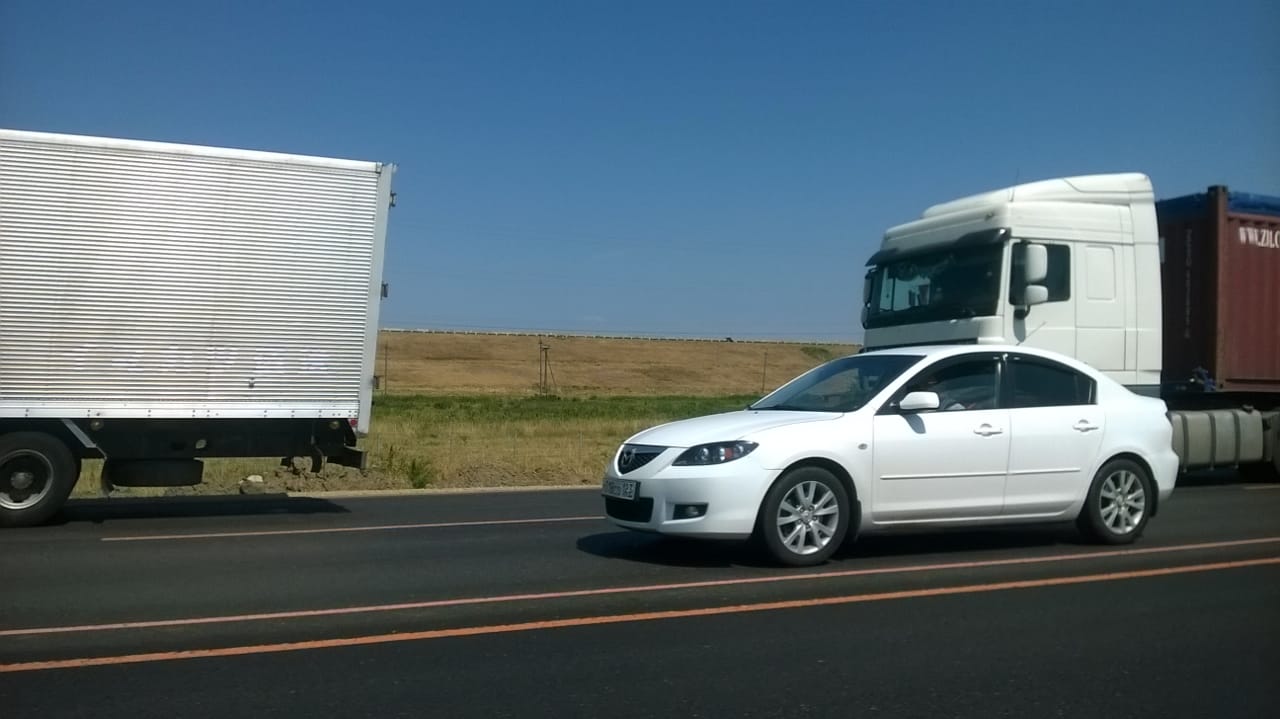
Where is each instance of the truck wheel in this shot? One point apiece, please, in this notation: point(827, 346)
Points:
point(1261, 472)
point(804, 517)
point(37, 472)
point(1119, 502)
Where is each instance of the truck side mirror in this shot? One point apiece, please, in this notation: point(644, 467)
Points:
point(1035, 267)
point(1031, 295)
point(1035, 295)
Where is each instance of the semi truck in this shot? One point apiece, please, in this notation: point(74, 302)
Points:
point(1177, 298)
point(162, 303)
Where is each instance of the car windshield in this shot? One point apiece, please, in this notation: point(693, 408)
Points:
point(946, 285)
point(841, 385)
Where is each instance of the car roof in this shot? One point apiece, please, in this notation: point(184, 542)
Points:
point(938, 351)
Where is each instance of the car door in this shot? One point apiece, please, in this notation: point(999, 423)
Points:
point(949, 463)
point(1056, 429)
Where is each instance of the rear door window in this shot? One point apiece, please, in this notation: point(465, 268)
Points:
point(1035, 382)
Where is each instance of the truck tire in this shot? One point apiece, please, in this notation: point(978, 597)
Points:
point(1119, 503)
point(1260, 472)
point(37, 473)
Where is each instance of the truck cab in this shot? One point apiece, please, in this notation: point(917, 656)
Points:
point(1078, 265)
point(1070, 265)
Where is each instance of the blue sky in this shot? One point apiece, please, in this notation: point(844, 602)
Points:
point(684, 168)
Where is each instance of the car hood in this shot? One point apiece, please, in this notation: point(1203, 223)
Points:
point(724, 427)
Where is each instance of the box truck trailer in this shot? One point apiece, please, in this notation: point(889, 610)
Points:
point(1178, 298)
point(164, 303)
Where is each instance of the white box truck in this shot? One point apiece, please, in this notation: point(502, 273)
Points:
point(163, 303)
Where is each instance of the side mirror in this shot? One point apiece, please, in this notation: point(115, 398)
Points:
point(1035, 266)
point(1035, 295)
point(920, 402)
point(1031, 295)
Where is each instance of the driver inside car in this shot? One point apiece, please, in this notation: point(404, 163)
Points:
point(957, 390)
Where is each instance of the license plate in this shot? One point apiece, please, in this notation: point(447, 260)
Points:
point(621, 488)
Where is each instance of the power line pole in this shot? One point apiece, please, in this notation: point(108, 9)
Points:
point(386, 366)
point(544, 360)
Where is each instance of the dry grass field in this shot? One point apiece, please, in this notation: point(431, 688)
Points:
point(465, 410)
point(439, 363)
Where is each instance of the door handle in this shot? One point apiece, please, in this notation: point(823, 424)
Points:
point(1084, 426)
point(987, 430)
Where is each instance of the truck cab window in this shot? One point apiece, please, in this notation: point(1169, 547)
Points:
point(1058, 281)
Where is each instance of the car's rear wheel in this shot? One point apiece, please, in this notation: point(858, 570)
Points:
point(1119, 503)
point(804, 517)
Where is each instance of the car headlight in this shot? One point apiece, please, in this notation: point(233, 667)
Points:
point(714, 453)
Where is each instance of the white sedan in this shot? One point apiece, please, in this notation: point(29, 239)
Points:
point(908, 438)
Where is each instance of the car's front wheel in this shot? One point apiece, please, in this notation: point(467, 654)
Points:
point(1119, 503)
point(804, 517)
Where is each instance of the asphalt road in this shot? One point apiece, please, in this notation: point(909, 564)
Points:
point(530, 604)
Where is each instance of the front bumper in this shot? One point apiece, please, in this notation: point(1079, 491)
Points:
point(732, 500)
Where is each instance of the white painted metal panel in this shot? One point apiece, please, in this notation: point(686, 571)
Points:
point(146, 279)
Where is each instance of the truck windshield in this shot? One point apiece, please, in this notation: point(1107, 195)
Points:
point(943, 285)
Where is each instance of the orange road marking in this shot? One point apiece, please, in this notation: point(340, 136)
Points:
point(623, 618)
point(542, 596)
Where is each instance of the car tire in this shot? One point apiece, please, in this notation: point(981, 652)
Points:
point(37, 473)
point(1119, 503)
point(804, 517)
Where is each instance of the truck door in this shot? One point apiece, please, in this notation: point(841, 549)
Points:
point(1052, 325)
point(1100, 313)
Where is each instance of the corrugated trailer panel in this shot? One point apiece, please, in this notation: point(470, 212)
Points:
point(1221, 278)
point(140, 279)
point(1249, 302)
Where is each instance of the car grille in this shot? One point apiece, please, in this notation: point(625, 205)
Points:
point(635, 456)
point(629, 510)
